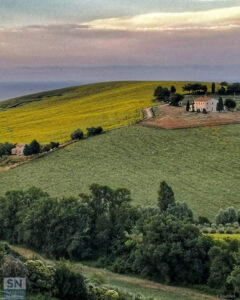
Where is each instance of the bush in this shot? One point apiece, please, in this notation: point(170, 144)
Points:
point(40, 276)
point(13, 267)
point(230, 104)
point(52, 145)
point(33, 148)
point(5, 149)
point(203, 220)
point(204, 111)
point(94, 131)
point(198, 110)
point(226, 216)
point(77, 135)
point(70, 285)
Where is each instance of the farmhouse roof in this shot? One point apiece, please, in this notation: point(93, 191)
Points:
point(203, 99)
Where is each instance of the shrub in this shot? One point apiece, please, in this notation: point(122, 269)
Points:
point(94, 131)
point(5, 149)
point(198, 110)
point(13, 267)
point(70, 285)
point(77, 135)
point(204, 111)
point(226, 216)
point(33, 148)
point(203, 220)
point(41, 277)
point(230, 104)
point(54, 145)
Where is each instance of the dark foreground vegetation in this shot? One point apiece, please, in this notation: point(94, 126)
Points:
point(163, 242)
point(58, 280)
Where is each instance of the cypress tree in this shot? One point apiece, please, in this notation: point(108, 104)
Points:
point(220, 103)
point(165, 196)
point(188, 106)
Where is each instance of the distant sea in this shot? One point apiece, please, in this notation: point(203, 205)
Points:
point(16, 89)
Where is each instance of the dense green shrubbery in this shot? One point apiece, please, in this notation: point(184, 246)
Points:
point(161, 242)
point(5, 149)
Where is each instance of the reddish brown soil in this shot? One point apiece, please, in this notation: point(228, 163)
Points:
point(176, 117)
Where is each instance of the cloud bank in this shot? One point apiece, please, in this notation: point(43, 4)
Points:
point(215, 19)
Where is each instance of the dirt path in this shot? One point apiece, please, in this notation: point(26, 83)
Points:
point(176, 117)
point(109, 276)
point(148, 113)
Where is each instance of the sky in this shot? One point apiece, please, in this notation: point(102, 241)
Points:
point(93, 40)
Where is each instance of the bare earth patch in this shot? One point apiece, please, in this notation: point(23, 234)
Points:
point(176, 117)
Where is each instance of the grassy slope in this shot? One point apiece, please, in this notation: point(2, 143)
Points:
point(201, 164)
point(130, 284)
point(54, 115)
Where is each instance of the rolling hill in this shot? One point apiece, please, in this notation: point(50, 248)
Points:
point(53, 115)
point(201, 164)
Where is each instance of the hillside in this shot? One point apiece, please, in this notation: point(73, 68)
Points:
point(53, 115)
point(129, 284)
point(201, 164)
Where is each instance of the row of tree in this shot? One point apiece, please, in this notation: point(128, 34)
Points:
point(92, 131)
point(35, 148)
point(161, 242)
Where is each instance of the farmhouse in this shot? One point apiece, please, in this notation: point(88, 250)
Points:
point(18, 150)
point(210, 104)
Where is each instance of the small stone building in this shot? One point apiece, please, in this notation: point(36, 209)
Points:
point(210, 104)
point(18, 150)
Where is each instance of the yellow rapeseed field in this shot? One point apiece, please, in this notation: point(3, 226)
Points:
point(225, 236)
point(55, 115)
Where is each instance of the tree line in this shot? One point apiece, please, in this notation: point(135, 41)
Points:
point(162, 242)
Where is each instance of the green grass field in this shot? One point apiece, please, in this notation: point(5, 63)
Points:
point(201, 164)
point(54, 115)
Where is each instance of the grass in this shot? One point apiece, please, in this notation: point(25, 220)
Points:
point(55, 114)
point(130, 284)
point(201, 164)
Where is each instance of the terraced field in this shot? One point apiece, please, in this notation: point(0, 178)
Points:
point(54, 115)
point(201, 164)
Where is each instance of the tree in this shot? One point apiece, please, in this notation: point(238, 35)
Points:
point(220, 106)
point(222, 90)
point(173, 89)
point(161, 93)
point(94, 131)
point(213, 88)
point(226, 216)
point(230, 104)
point(175, 99)
point(172, 251)
point(180, 210)
point(224, 83)
point(33, 148)
point(188, 106)
point(234, 279)
point(77, 135)
point(165, 196)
